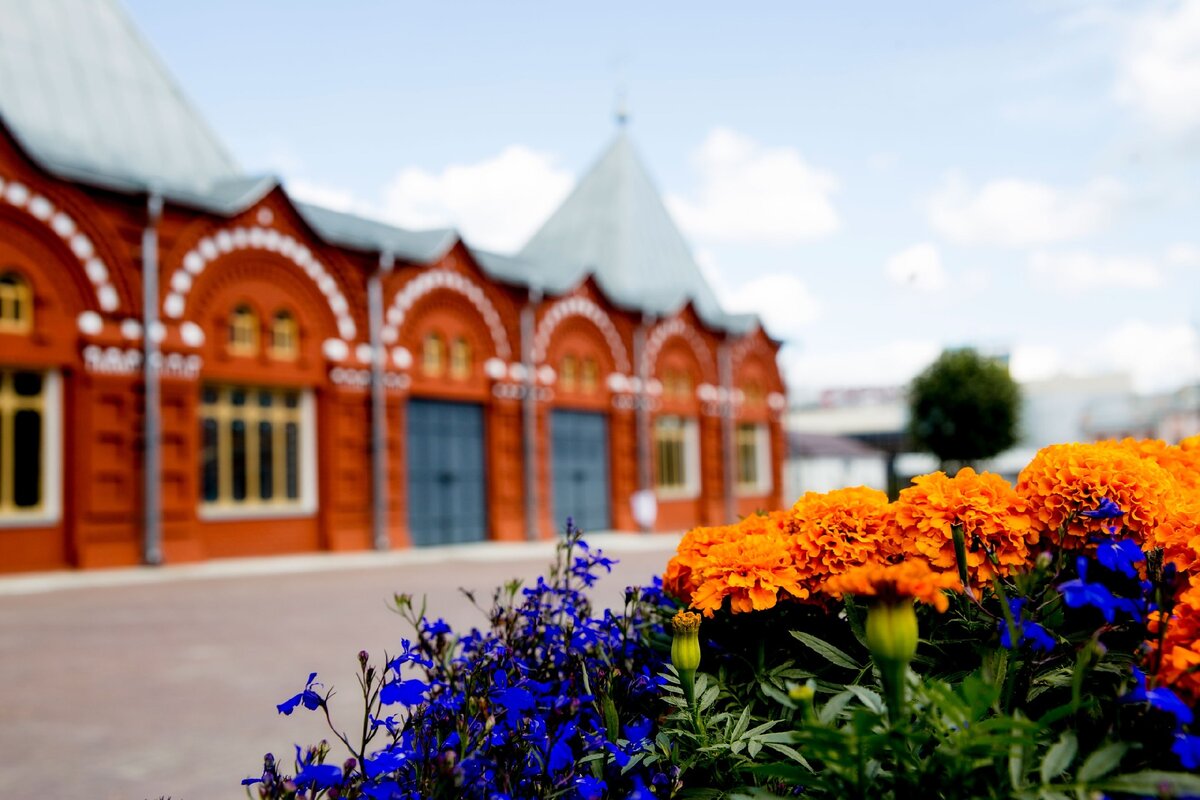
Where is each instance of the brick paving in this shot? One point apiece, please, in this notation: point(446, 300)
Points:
point(148, 683)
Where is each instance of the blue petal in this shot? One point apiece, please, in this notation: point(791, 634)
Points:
point(319, 776)
point(409, 693)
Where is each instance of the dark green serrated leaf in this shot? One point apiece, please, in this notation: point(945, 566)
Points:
point(1059, 757)
point(1103, 761)
point(826, 650)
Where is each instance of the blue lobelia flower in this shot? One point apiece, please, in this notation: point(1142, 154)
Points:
point(589, 788)
point(409, 693)
point(1027, 630)
point(308, 698)
point(1106, 510)
point(1120, 556)
point(1079, 593)
point(1161, 698)
point(384, 762)
point(1188, 749)
point(318, 776)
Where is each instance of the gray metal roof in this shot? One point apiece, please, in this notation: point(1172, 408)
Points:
point(361, 233)
point(84, 94)
point(87, 98)
point(615, 226)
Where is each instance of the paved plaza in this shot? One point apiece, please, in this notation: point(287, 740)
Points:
point(144, 683)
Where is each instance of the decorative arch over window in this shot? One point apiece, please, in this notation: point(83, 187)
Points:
point(460, 359)
point(433, 355)
point(243, 331)
point(16, 303)
point(285, 336)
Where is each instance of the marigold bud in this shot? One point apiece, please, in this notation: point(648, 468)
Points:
point(892, 632)
point(685, 646)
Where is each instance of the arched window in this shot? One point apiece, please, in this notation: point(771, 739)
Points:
point(460, 359)
point(754, 394)
point(16, 304)
point(568, 373)
point(285, 341)
point(589, 376)
point(433, 355)
point(243, 331)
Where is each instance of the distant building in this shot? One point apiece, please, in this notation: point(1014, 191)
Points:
point(820, 463)
point(194, 365)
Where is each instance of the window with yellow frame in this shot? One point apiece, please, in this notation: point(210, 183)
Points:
point(22, 442)
point(243, 331)
point(16, 303)
point(568, 374)
point(671, 456)
point(433, 355)
point(285, 336)
point(251, 446)
point(752, 445)
point(589, 376)
point(460, 359)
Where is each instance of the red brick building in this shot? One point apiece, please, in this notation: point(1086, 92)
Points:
point(188, 362)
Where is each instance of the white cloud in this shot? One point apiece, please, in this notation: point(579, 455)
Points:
point(782, 301)
point(1012, 212)
point(754, 194)
point(1035, 362)
point(496, 203)
point(1159, 67)
point(1183, 254)
point(1158, 356)
point(1082, 272)
point(331, 197)
point(919, 267)
point(892, 364)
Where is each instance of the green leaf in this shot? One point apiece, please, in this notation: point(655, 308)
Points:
point(1059, 757)
point(709, 697)
point(776, 695)
point(870, 699)
point(790, 752)
point(834, 706)
point(1103, 761)
point(825, 650)
point(742, 723)
point(1154, 783)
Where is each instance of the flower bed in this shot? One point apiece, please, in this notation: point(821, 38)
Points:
point(971, 639)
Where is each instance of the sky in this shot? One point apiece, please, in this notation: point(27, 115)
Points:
point(877, 180)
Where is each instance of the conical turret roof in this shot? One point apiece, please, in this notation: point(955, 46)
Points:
point(614, 225)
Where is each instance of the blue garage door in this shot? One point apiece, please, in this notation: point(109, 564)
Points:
point(447, 494)
point(579, 455)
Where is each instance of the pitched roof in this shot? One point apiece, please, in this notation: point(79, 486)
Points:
point(614, 225)
point(86, 96)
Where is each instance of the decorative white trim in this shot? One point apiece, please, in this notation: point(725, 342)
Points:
point(192, 334)
point(131, 329)
point(335, 349)
point(229, 239)
point(52, 460)
point(18, 195)
point(89, 323)
point(401, 357)
point(361, 378)
point(112, 360)
point(579, 307)
point(495, 368)
point(664, 331)
point(776, 401)
point(432, 280)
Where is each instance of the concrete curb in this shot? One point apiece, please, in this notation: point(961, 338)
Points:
point(611, 542)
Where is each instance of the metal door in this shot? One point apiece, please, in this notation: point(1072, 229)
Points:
point(579, 458)
point(447, 488)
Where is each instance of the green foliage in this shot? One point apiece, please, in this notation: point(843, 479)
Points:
point(964, 407)
point(781, 715)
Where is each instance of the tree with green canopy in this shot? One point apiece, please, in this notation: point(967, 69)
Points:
point(964, 407)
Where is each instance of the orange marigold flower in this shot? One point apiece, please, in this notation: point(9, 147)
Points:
point(893, 583)
point(838, 530)
point(1181, 460)
point(1181, 647)
point(680, 579)
point(751, 571)
point(991, 513)
point(1065, 479)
